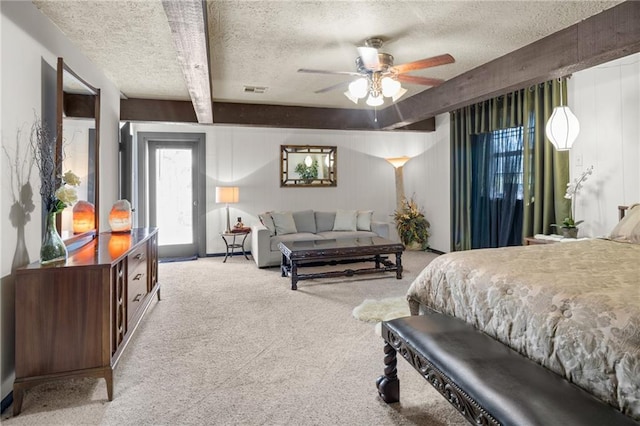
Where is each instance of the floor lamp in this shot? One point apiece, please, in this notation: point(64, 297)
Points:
point(397, 163)
point(227, 195)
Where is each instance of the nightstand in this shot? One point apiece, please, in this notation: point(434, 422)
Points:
point(542, 239)
point(531, 241)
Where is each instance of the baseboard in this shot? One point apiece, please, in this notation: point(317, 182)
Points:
point(435, 251)
point(6, 402)
point(223, 254)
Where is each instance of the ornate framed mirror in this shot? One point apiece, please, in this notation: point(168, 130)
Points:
point(78, 146)
point(308, 165)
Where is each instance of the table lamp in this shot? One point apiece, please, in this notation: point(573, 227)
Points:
point(227, 194)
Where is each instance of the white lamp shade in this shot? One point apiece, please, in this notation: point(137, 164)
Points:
point(562, 128)
point(227, 194)
point(398, 161)
point(375, 100)
point(390, 87)
point(399, 94)
point(351, 97)
point(359, 88)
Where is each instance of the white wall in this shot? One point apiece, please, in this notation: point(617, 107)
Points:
point(27, 39)
point(250, 158)
point(606, 100)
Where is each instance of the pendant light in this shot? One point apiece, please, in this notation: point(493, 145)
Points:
point(563, 127)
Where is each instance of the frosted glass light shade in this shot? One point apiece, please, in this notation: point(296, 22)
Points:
point(562, 128)
point(359, 88)
point(390, 87)
point(399, 94)
point(227, 194)
point(351, 97)
point(375, 100)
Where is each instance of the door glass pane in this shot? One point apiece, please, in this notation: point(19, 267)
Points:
point(174, 196)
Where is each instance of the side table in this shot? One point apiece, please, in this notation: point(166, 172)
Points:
point(230, 240)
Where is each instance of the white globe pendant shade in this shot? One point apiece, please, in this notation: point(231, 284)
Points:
point(562, 128)
point(390, 87)
point(359, 88)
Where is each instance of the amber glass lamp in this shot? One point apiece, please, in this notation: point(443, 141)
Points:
point(84, 217)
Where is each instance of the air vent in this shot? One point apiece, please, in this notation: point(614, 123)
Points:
point(255, 89)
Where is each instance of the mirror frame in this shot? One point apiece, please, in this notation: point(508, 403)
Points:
point(93, 106)
point(290, 179)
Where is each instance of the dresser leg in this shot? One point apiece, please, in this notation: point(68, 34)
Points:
point(108, 377)
point(18, 393)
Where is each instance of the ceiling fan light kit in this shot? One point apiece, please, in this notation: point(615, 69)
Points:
point(379, 78)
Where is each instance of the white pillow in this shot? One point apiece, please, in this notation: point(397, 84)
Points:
point(363, 222)
point(284, 223)
point(346, 220)
point(628, 229)
point(267, 220)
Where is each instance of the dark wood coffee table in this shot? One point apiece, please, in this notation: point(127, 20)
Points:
point(334, 251)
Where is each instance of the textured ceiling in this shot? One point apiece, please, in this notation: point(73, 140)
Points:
point(263, 43)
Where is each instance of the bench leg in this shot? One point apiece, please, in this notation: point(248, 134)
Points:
point(388, 384)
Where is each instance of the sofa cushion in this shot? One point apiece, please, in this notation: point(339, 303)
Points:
point(305, 221)
point(267, 221)
point(324, 221)
point(363, 221)
point(284, 223)
point(346, 220)
point(300, 236)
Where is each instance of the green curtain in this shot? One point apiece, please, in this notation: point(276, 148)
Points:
point(546, 171)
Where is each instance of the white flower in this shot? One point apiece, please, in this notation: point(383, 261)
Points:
point(71, 178)
point(67, 194)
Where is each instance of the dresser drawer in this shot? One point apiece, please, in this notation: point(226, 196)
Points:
point(136, 279)
point(137, 257)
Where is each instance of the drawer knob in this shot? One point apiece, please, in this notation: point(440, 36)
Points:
point(138, 297)
point(139, 256)
point(137, 277)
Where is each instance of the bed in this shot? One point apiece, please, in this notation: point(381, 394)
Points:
point(573, 307)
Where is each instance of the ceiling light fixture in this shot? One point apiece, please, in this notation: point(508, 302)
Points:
point(375, 87)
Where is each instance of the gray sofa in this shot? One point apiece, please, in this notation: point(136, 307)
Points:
point(309, 225)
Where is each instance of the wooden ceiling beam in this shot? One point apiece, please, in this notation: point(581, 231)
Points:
point(190, 38)
point(609, 35)
point(259, 115)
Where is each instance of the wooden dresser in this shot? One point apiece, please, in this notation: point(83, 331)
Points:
point(75, 320)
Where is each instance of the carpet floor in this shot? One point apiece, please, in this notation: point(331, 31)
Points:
point(231, 344)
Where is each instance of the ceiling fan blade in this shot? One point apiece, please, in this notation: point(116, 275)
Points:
point(425, 63)
point(425, 81)
point(369, 57)
point(342, 85)
point(329, 72)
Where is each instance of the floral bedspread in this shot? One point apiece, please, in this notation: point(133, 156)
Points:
point(573, 307)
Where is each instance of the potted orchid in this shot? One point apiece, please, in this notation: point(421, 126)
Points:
point(569, 225)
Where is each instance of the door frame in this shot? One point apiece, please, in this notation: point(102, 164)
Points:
point(197, 139)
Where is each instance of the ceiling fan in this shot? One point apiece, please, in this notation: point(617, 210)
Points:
point(378, 77)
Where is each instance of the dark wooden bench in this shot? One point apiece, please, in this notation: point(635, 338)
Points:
point(489, 383)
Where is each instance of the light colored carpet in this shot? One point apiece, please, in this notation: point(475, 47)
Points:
point(231, 344)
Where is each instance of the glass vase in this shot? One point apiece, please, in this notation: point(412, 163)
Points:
point(53, 249)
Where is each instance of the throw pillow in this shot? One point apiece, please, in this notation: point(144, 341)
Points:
point(284, 223)
point(324, 221)
point(346, 220)
point(267, 221)
point(363, 222)
point(627, 229)
point(305, 221)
